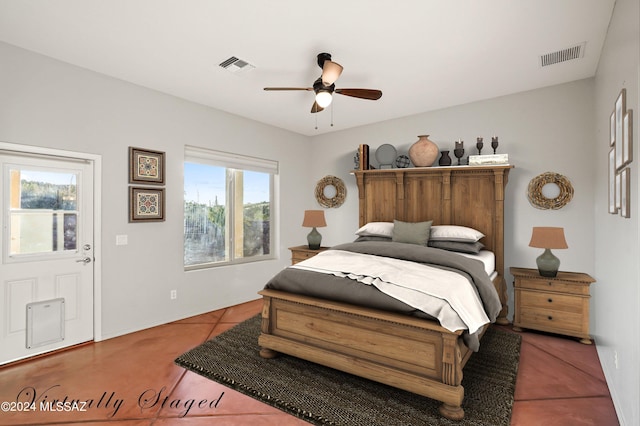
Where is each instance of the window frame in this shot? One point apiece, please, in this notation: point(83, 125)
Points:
point(232, 163)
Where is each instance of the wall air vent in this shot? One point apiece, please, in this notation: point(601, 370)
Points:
point(236, 66)
point(568, 54)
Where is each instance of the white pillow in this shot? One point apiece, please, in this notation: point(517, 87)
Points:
point(455, 233)
point(376, 229)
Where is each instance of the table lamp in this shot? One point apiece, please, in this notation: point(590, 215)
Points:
point(548, 238)
point(313, 219)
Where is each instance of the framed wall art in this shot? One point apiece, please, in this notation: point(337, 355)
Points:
point(146, 166)
point(612, 128)
point(627, 138)
point(613, 209)
point(146, 204)
point(625, 193)
point(620, 110)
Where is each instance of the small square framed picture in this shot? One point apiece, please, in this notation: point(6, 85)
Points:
point(145, 166)
point(146, 204)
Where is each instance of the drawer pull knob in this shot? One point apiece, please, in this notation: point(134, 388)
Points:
point(550, 318)
point(550, 283)
point(550, 300)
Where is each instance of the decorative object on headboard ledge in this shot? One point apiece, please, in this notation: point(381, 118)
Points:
point(538, 199)
point(445, 160)
point(328, 184)
point(423, 152)
point(386, 155)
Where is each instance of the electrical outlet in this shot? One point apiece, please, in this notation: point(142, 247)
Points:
point(615, 359)
point(174, 294)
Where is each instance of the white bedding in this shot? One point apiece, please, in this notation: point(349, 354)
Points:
point(487, 258)
point(443, 294)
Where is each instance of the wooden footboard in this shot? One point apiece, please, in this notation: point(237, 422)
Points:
point(409, 353)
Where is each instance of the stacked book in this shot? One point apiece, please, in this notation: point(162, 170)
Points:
point(363, 157)
point(491, 159)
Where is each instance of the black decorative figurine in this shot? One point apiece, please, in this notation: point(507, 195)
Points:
point(494, 143)
point(459, 151)
point(479, 145)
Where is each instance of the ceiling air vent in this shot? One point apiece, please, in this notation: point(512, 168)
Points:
point(568, 54)
point(236, 66)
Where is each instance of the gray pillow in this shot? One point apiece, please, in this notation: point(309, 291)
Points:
point(371, 238)
point(411, 232)
point(459, 246)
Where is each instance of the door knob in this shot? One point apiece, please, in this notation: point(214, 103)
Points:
point(84, 260)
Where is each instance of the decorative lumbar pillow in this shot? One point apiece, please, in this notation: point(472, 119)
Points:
point(459, 246)
point(454, 233)
point(411, 232)
point(376, 229)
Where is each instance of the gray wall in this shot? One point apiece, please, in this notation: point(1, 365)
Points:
point(52, 104)
point(542, 130)
point(616, 295)
point(562, 129)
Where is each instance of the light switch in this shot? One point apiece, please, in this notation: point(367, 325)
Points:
point(122, 240)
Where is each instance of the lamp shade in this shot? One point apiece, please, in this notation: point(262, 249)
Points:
point(313, 219)
point(548, 238)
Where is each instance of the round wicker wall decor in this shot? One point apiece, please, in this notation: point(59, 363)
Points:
point(538, 199)
point(340, 189)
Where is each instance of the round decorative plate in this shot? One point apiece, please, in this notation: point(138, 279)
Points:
point(386, 154)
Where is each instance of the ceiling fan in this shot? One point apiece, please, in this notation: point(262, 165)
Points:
point(324, 87)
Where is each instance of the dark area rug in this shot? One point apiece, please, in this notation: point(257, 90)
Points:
point(324, 396)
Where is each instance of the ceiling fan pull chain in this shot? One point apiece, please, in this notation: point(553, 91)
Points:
point(331, 114)
point(316, 121)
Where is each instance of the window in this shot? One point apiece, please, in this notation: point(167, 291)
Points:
point(228, 208)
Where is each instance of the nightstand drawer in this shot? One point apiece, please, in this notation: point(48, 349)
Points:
point(302, 255)
point(553, 321)
point(550, 284)
point(553, 301)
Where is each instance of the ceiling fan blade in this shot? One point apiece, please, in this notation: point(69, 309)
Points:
point(371, 94)
point(330, 72)
point(288, 88)
point(316, 108)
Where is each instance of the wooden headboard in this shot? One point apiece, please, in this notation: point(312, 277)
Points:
point(471, 196)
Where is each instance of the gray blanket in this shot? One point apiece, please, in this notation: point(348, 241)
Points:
point(349, 291)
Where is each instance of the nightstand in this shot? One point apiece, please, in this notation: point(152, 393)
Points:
point(557, 305)
point(300, 253)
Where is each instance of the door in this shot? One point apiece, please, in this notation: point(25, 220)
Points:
point(46, 269)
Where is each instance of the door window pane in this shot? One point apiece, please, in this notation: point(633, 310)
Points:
point(43, 211)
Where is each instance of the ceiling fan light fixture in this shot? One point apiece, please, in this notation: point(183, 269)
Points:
point(323, 98)
point(330, 72)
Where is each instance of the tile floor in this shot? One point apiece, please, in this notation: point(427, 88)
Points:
point(132, 380)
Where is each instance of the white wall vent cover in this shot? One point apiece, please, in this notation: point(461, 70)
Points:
point(45, 322)
point(568, 54)
point(236, 66)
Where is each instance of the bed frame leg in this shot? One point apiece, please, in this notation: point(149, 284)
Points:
point(268, 353)
point(451, 412)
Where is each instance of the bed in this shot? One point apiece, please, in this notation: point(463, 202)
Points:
point(410, 352)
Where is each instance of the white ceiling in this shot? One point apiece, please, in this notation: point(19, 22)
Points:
point(423, 54)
